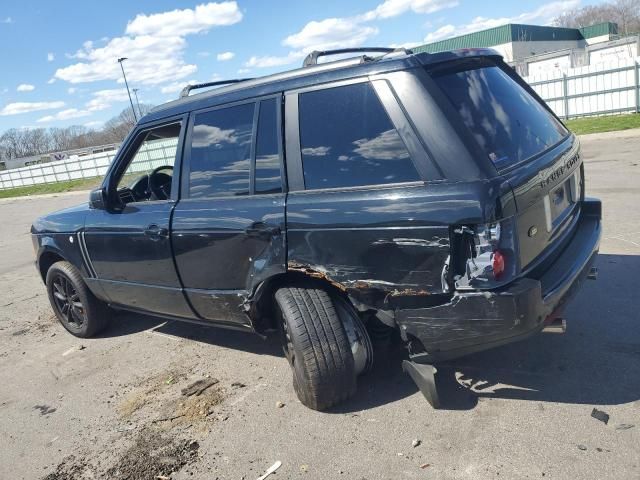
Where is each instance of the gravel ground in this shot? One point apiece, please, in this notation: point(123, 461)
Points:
point(113, 407)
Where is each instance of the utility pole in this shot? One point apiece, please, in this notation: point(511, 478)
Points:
point(120, 60)
point(135, 92)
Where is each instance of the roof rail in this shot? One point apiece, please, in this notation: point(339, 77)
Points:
point(185, 91)
point(312, 58)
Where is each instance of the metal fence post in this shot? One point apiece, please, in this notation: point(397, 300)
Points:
point(565, 94)
point(636, 71)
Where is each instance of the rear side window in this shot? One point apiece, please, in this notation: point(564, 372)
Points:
point(347, 139)
point(508, 123)
point(221, 152)
point(267, 176)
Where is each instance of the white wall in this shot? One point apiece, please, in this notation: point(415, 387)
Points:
point(526, 49)
point(616, 53)
point(561, 63)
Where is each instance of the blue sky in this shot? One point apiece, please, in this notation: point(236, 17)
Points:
point(59, 58)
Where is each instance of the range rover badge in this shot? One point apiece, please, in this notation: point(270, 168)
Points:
point(532, 231)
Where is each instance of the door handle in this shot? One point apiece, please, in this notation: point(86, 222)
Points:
point(261, 229)
point(155, 232)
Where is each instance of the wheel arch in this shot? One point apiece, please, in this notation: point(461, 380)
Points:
point(47, 257)
point(262, 301)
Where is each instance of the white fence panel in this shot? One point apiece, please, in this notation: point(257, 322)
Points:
point(604, 88)
point(159, 153)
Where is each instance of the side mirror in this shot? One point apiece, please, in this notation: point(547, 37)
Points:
point(98, 199)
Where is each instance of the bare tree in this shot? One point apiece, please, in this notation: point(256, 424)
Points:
point(625, 13)
point(18, 143)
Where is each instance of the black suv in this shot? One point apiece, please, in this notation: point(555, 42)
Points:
point(435, 194)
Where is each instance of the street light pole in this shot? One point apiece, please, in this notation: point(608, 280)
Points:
point(135, 92)
point(120, 60)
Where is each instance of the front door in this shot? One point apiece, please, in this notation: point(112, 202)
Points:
point(128, 245)
point(228, 230)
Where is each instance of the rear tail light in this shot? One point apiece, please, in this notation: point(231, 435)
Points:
point(498, 264)
point(486, 252)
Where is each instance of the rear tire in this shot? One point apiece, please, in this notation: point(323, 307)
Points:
point(317, 347)
point(77, 309)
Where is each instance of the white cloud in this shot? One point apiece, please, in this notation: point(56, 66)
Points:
point(330, 33)
point(26, 107)
point(345, 32)
point(393, 8)
point(321, 151)
point(176, 87)
point(154, 45)
point(443, 32)
point(271, 61)
point(204, 54)
point(71, 90)
point(67, 114)
point(207, 135)
point(224, 56)
point(50, 57)
point(102, 99)
point(151, 60)
point(25, 87)
point(7, 20)
point(407, 45)
point(179, 23)
point(542, 15)
point(51, 80)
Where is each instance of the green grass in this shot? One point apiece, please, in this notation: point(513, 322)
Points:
point(581, 126)
point(68, 186)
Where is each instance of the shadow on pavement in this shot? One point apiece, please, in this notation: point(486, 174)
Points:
point(596, 362)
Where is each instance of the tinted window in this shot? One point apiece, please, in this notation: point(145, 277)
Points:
point(220, 152)
point(267, 155)
point(347, 139)
point(508, 123)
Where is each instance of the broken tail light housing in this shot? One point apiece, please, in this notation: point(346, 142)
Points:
point(484, 255)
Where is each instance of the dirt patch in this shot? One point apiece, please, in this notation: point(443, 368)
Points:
point(71, 468)
point(151, 455)
point(150, 391)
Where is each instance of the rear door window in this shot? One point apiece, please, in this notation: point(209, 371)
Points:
point(347, 140)
point(221, 152)
point(508, 123)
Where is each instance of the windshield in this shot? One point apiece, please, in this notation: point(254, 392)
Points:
point(509, 124)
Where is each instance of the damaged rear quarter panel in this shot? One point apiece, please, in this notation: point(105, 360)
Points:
point(379, 242)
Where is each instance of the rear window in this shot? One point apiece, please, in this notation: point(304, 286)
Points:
point(508, 123)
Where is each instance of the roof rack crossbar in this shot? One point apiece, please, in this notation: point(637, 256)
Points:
point(185, 91)
point(312, 58)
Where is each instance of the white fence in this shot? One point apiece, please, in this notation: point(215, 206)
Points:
point(600, 89)
point(155, 154)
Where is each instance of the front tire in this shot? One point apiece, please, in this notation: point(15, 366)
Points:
point(317, 347)
point(77, 309)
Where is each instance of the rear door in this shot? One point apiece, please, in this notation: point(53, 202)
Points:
point(358, 210)
point(528, 145)
point(228, 230)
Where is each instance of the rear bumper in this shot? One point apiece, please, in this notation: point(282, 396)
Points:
point(477, 321)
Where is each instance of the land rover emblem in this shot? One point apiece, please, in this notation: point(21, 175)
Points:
point(532, 231)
